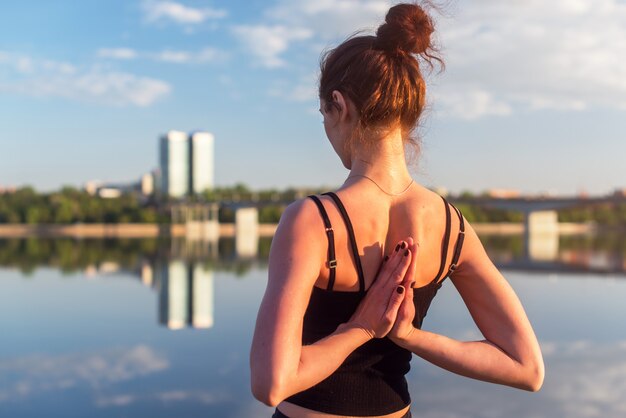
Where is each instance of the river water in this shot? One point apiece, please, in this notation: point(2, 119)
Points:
point(145, 328)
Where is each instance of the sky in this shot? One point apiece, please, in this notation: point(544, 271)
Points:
point(533, 97)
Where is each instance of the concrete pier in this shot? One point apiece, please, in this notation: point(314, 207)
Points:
point(247, 232)
point(541, 230)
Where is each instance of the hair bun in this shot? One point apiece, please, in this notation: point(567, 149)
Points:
point(407, 28)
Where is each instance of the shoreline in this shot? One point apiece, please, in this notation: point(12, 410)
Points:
point(114, 230)
point(129, 230)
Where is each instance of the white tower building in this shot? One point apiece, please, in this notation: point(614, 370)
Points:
point(175, 164)
point(202, 161)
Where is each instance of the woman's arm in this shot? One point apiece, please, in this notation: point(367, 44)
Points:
point(280, 365)
point(509, 355)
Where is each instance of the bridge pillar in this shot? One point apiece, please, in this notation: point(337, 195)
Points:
point(541, 235)
point(200, 221)
point(247, 232)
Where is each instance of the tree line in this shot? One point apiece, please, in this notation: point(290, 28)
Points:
point(71, 205)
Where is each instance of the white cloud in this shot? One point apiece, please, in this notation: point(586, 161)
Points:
point(584, 379)
point(41, 373)
point(502, 57)
point(470, 103)
point(59, 67)
point(117, 53)
point(24, 65)
point(181, 57)
point(267, 42)
point(331, 19)
point(115, 400)
point(597, 384)
point(96, 84)
point(305, 90)
point(173, 56)
point(116, 88)
point(205, 397)
point(201, 396)
point(155, 11)
point(289, 21)
point(533, 55)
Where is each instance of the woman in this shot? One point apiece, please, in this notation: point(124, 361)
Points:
point(352, 273)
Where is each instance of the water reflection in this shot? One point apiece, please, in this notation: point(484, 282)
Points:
point(604, 253)
point(90, 336)
point(104, 256)
point(38, 374)
point(185, 294)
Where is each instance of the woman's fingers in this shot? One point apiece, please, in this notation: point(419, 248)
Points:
point(397, 275)
point(380, 307)
point(390, 263)
point(407, 309)
point(409, 277)
point(394, 304)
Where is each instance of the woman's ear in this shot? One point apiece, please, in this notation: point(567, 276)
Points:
point(340, 102)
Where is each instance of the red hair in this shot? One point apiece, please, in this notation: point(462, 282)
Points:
point(381, 74)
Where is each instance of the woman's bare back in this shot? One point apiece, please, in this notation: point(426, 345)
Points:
point(379, 223)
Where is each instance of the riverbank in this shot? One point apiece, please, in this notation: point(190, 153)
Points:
point(112, 230)
point(228, 230)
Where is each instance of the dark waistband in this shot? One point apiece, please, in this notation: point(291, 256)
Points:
point(278, 414)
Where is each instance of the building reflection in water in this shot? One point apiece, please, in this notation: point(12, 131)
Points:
point(182, 273)
point(185, 292)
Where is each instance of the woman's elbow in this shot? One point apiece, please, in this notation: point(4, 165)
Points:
point(537, 378)
point(266, 396)
point(267, 392)
point(534, 376)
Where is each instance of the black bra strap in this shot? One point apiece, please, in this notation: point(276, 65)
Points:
point(332, 261)
point(355, 249)
point(459, 242)
point(446, 238)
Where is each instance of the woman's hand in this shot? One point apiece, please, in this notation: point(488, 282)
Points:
point(403, 327)
point(377, 312)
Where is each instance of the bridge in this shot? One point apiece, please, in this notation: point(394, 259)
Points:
point(541, 227)
point(541, 224)
point(540, 203)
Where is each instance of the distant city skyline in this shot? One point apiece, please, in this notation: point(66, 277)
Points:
point(532, 98)
point(186, 163)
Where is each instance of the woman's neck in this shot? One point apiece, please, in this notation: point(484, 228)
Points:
point(382, 160)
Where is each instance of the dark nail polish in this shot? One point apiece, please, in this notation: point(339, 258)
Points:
point(400, 289)
point(406, 252)
point(403, 246)
point(397, 247)
point(386, 258)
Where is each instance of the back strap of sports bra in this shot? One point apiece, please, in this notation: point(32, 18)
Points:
point(446, 239)
point(459, 241)
point(458, 246)
point(354, 247)
point(332, 261)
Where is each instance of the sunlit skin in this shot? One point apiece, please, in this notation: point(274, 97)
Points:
point(509, 354)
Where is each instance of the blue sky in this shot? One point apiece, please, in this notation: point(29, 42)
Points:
point(533, 97)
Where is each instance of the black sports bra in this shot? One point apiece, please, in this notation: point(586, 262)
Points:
point(371, 381)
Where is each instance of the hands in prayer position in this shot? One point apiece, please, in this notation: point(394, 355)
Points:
point(388, 309)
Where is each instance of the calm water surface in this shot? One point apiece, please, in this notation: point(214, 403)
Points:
point(160, 329)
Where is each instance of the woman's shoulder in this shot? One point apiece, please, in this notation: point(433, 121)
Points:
point(301, 220)
point(300, 232)
point(300, 212)
point(429, 203)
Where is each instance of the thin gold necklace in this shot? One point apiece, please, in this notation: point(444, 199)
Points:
point(378, 185)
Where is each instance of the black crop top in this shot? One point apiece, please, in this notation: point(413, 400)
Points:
point(371, 381)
